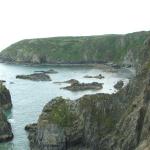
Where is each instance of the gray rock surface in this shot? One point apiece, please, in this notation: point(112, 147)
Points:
point(5, 104)
point(35, 77)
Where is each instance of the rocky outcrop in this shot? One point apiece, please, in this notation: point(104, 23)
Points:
point(66, 124)
point(5, 128)
point(119, 85)
point(5, 103)
point(119, 121)
point(35, 77)
point(76, 86)
point(5, 97)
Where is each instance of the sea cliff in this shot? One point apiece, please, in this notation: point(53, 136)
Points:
point(5, 104)
point(119, 121)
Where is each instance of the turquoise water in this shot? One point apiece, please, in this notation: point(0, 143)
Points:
point(29, 97)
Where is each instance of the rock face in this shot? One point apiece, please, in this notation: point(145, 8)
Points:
point(5, 103)
point(35, 77)
point(66, 124)
point(119, 85)
point(76, 86)
point(119, 121)
point(5, 128)
point(71, 81)
point(76, 50)
point(5, 98)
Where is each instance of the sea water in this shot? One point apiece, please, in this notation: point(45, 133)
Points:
point(29, 97)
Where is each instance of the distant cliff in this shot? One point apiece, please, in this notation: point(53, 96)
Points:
point(74, 50)
point(118, 121)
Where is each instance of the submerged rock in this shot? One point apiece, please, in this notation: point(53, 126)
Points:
point(5, 128)
point(119, 85)
point(2, 81)
point(97, 77)
point(35, 77)
point(76, 86)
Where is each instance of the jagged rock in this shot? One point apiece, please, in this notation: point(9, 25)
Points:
point(5, 103)
point(35, 77)
point(119, 121)
point(31, 127)
point(80, 124)
point(5, 128)
point(119, 85)
point(76, 86)
point(5, 97)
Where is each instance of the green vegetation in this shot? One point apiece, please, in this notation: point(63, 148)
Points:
point(60, 113)
point(2, 88)
point(88, 49)
point(100, 112)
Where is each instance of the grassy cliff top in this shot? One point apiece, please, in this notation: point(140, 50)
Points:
point(86, 49)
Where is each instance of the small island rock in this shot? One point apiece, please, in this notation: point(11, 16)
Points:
point(35, 77)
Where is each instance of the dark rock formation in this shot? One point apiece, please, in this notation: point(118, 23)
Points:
point(5, 128)
point(71, 81)
point(66, 124)
point(31, 127)
point(5, 103)
point(119, 85)
point(5, 98)
point(35, 77)
point(76, 86)
point(97, 77)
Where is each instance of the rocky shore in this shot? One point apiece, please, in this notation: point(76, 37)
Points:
point(76, 86)
point(5, 128)
point(5, 97)
point(118, 121)
point(35, 77)
point(5, 104)
point(119, 85)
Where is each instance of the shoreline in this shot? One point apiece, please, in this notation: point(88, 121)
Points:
point(106, 67)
